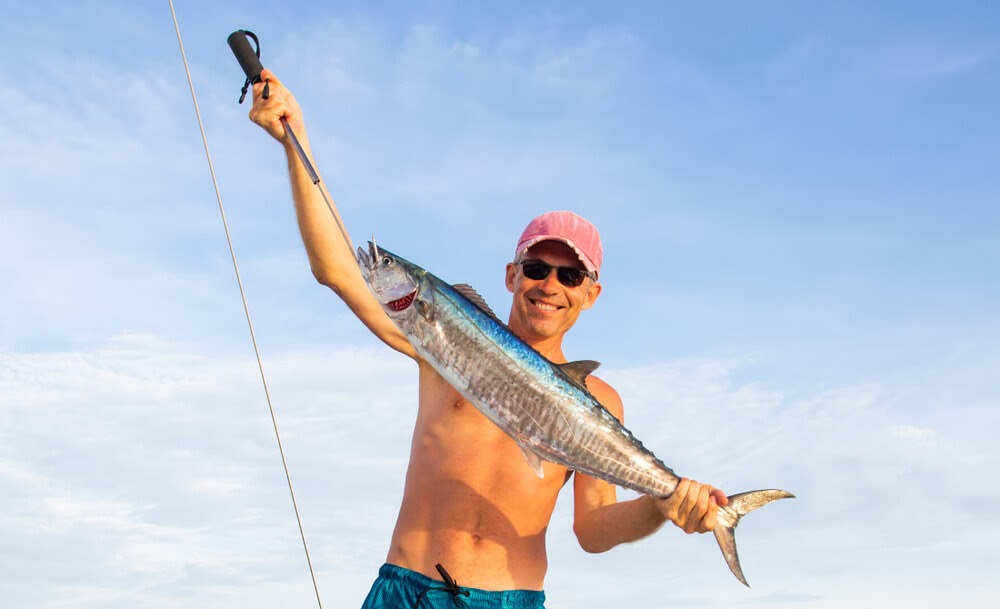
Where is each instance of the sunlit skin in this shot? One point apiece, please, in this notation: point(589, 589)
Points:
point(470, 501)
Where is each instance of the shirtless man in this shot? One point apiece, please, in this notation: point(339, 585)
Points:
point(470, 502)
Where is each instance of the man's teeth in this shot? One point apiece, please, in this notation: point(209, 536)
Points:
point(545, 306)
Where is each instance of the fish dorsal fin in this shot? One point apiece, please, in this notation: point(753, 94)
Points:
point(469, 292)
point(579, 370)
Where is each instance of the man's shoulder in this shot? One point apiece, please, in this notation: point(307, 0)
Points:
point(606, 395)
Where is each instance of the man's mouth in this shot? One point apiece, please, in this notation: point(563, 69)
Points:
point(544, 306)
point(401, 304)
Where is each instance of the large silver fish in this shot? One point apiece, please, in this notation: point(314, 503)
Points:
point(545, 407)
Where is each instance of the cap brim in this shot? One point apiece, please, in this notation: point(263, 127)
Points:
point(587, 263)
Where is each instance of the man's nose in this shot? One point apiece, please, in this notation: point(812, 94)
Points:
point(551, 285)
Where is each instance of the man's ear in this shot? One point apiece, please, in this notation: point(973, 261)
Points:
point(510, 276)
point(592, 293)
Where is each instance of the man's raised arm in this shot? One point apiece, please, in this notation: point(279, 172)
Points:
point(331, 255)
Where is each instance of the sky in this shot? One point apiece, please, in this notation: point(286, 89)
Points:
point(800, 207)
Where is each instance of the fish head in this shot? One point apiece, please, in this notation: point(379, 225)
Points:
point(394, 281)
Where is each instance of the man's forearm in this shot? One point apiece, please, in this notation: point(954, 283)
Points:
point(327, 244)
point(618, 523)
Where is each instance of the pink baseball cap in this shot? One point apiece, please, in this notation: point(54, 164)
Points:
point(569, 228)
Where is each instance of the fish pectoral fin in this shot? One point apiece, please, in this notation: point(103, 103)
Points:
point(580, 370)
point(534, 461)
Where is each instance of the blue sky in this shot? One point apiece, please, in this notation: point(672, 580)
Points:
point(799, 204)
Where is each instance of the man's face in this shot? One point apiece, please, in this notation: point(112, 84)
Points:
point(546, 308)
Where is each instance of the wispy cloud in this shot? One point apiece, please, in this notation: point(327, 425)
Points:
point(145, 464)
point(155, 462)
point(929, 57)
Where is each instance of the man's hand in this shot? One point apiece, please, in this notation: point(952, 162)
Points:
point(279, 104)
point(693, 506)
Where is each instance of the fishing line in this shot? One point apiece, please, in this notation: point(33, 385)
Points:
point(246, 308)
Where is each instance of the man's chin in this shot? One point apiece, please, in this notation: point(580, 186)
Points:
point(546, 327)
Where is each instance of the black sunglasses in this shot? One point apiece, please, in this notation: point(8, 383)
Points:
point(569, 276)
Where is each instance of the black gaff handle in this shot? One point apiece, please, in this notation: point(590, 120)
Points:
point(245, 54)
point(248, 57)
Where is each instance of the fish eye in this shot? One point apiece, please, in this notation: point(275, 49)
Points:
point(386, 261)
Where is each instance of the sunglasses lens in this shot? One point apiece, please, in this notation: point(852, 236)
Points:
point(537, 270)
point(569, 276)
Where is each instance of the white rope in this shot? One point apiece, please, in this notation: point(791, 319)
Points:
point(246, 308)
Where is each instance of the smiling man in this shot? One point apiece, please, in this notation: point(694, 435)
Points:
point(472, 510)
point(547, 305)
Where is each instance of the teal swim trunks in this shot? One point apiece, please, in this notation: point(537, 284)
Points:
point(399, 588)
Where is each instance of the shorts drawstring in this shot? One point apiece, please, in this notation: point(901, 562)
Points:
point(450, 586)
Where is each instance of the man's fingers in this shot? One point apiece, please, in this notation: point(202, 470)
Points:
point(703, 494)
point(689, 510)
point(693, 506)
point(269, 80)
point(684, 492)
point(697, 503)
point(710, 518)
point(720, 497)
point(266, 74)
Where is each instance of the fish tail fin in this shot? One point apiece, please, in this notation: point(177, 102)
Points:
point(729, 516)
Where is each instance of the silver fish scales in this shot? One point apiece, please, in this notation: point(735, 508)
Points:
point(544, 407)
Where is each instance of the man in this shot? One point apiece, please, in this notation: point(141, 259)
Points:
point(470, 502)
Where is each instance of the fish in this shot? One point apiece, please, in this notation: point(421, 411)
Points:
point(544, 407)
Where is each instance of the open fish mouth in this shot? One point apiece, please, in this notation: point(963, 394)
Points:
point(401, 304)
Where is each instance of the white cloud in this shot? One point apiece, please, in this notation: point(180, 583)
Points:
point(147, 465)
point(150, 463)
point(911, 432)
